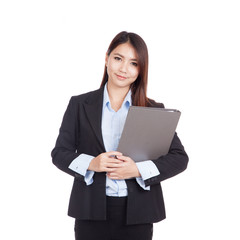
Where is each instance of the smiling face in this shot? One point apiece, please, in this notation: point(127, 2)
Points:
point(122, 66)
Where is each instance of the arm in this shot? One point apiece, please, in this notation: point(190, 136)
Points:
point(147, 170)
point(64, 154)
point(87, 165)
point(129, 169)
point(64, 151)
point(171, 164)
point(80, 165)
point(168, 166)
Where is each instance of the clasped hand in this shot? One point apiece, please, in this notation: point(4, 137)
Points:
point(115, 165)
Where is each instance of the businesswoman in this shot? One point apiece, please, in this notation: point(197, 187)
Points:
point(112, 196)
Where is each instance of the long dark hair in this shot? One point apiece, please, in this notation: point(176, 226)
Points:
point(139, 87)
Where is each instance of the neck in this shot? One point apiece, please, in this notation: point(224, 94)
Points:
point(116, 96)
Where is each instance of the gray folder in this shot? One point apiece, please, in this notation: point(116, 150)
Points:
point(148, 132)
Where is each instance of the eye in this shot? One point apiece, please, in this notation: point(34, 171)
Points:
point(134, 64)
point(117, 58)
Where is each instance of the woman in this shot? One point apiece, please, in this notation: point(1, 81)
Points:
point(112, 196)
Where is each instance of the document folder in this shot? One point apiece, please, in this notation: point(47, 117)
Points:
point(148, 132)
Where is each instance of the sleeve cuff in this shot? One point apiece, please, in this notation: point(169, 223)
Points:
point(147, 169)
point(80, 166)
point(141, 183)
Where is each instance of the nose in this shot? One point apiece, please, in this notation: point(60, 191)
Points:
point(123, 67)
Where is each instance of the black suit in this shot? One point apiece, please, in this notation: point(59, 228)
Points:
point(80, 132)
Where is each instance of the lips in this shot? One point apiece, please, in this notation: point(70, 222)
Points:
point(121, 77)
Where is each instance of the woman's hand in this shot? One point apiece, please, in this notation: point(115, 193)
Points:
point(127, 169)
point(106, 162)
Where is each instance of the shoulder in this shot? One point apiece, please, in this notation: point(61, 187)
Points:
point(87, 97)
point(152, 103)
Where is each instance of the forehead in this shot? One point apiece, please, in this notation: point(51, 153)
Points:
point(126, 50)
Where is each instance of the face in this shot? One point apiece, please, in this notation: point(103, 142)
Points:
point(122, 66)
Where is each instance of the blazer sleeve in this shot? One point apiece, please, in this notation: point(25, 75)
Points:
point(64, 151)
point(171, 164)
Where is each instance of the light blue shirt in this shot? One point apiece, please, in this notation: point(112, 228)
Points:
point(112, 126)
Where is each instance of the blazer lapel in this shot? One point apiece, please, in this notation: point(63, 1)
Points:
point(93, 109)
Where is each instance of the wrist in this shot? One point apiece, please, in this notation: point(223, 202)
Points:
point(90, 167)
point(137, 173)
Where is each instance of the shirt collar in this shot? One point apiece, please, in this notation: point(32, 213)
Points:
point(127, 101)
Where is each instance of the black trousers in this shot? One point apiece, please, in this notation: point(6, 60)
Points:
point(114, 228)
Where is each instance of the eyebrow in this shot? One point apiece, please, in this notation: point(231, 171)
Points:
point(132, 59)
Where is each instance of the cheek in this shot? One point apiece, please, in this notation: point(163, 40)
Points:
point(112, 66)
point(134, 73)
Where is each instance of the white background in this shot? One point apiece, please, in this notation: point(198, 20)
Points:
point(51, 50)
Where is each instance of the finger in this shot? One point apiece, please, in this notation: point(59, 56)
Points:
point(114, 165)
point(110, 170)
point(124, 158)
point(113, 176)
point(113, 160)
point(105, 161)
point(114, 153)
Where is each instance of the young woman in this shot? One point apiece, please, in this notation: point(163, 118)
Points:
point(112, 196)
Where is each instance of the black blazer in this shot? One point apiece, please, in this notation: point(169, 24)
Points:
point(80, 132)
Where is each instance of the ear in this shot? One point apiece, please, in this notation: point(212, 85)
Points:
point(106, 59)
